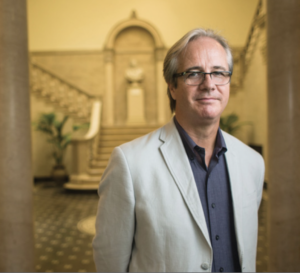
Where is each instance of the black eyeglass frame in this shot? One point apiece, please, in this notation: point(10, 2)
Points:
point(177, 75)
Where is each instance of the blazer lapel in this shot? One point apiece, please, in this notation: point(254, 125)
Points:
point(236, 191)
point(179, 166)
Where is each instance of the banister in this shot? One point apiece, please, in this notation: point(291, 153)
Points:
point(255, 31)
point(64, 81)
point(83, 148)
point(95, 121)
point(253, 25)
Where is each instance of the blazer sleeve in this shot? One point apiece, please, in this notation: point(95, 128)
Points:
point(261, 179)
point(115, 221)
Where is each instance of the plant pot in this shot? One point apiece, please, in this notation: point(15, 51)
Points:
point(59, 173)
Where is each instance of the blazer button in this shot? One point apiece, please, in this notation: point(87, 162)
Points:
point(204, 266)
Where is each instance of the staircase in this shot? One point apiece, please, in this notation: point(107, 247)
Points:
point(62, 95)
point(92, 151)
point(109, 138)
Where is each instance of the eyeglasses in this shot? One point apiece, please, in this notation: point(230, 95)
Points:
point(196, 77)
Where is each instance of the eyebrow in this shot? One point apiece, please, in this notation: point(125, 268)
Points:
point(200, 68)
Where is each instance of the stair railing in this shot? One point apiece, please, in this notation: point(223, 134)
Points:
point(257, 26)
point(84, 148)
point(63, 95)
point(76, 103)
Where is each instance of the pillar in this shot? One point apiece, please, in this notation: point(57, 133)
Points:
point(108, 107)
point(161, 87)
point(283, 22)
point(16, 217)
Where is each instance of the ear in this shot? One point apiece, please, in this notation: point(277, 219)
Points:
point(172, 90)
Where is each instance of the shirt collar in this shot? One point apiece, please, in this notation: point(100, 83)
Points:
point(190, 146)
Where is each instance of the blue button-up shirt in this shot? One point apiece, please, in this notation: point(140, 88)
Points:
point(215, 195)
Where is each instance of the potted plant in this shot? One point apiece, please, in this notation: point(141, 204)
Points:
point(49, 125)
point(229, 123)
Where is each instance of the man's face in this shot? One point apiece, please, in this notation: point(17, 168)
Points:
point(202, 104)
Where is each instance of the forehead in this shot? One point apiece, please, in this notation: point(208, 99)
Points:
point(203, 52)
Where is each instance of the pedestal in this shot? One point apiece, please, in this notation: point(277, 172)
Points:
point(135, 106)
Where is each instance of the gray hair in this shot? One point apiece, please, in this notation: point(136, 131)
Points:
point(171, 59)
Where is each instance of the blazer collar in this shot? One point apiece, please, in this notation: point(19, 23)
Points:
point(177, 161)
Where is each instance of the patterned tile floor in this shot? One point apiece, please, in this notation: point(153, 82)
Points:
point(262, 246)
point(64, 227)
point(60, 245)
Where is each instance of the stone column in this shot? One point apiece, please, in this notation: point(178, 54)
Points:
point(16, 217)
point(108, 106)
point(284, 134)
point(161, 87)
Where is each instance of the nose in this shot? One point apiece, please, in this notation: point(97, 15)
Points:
point(207, 83)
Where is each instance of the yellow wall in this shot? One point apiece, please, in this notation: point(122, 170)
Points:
point(251, 101)
point(67, 26)
point(255, 97)
point(85, 24)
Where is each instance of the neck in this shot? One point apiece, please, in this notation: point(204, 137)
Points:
point(203, 134)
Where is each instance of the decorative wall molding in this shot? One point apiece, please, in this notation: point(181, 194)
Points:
point(139, 40)
point(109, 55)
point(160, 54)
point(133, 22)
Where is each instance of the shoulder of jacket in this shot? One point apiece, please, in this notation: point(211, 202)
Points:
point(240, 147)
point(142, 141)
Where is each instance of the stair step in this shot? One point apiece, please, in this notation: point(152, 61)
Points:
point(110, 137)
point(111, 143)
point(79, 178)
point(122, 137)
point(126, 130)
point(104, 150)
point(99, 163)
point(102, 157)
point(84, 186)
point(95, 172)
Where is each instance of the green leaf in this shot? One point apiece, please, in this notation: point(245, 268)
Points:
point(77, 127)
point(48, 124)
point(232, 119)
point(229, 123)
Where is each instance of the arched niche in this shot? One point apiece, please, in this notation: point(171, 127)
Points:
point(134, 39)
point(133, 22)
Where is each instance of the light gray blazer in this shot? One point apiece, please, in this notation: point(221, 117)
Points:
point(150, 216)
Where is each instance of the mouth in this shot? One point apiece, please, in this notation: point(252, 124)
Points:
point(206, 99)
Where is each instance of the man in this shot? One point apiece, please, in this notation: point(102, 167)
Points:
point(184, 197)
